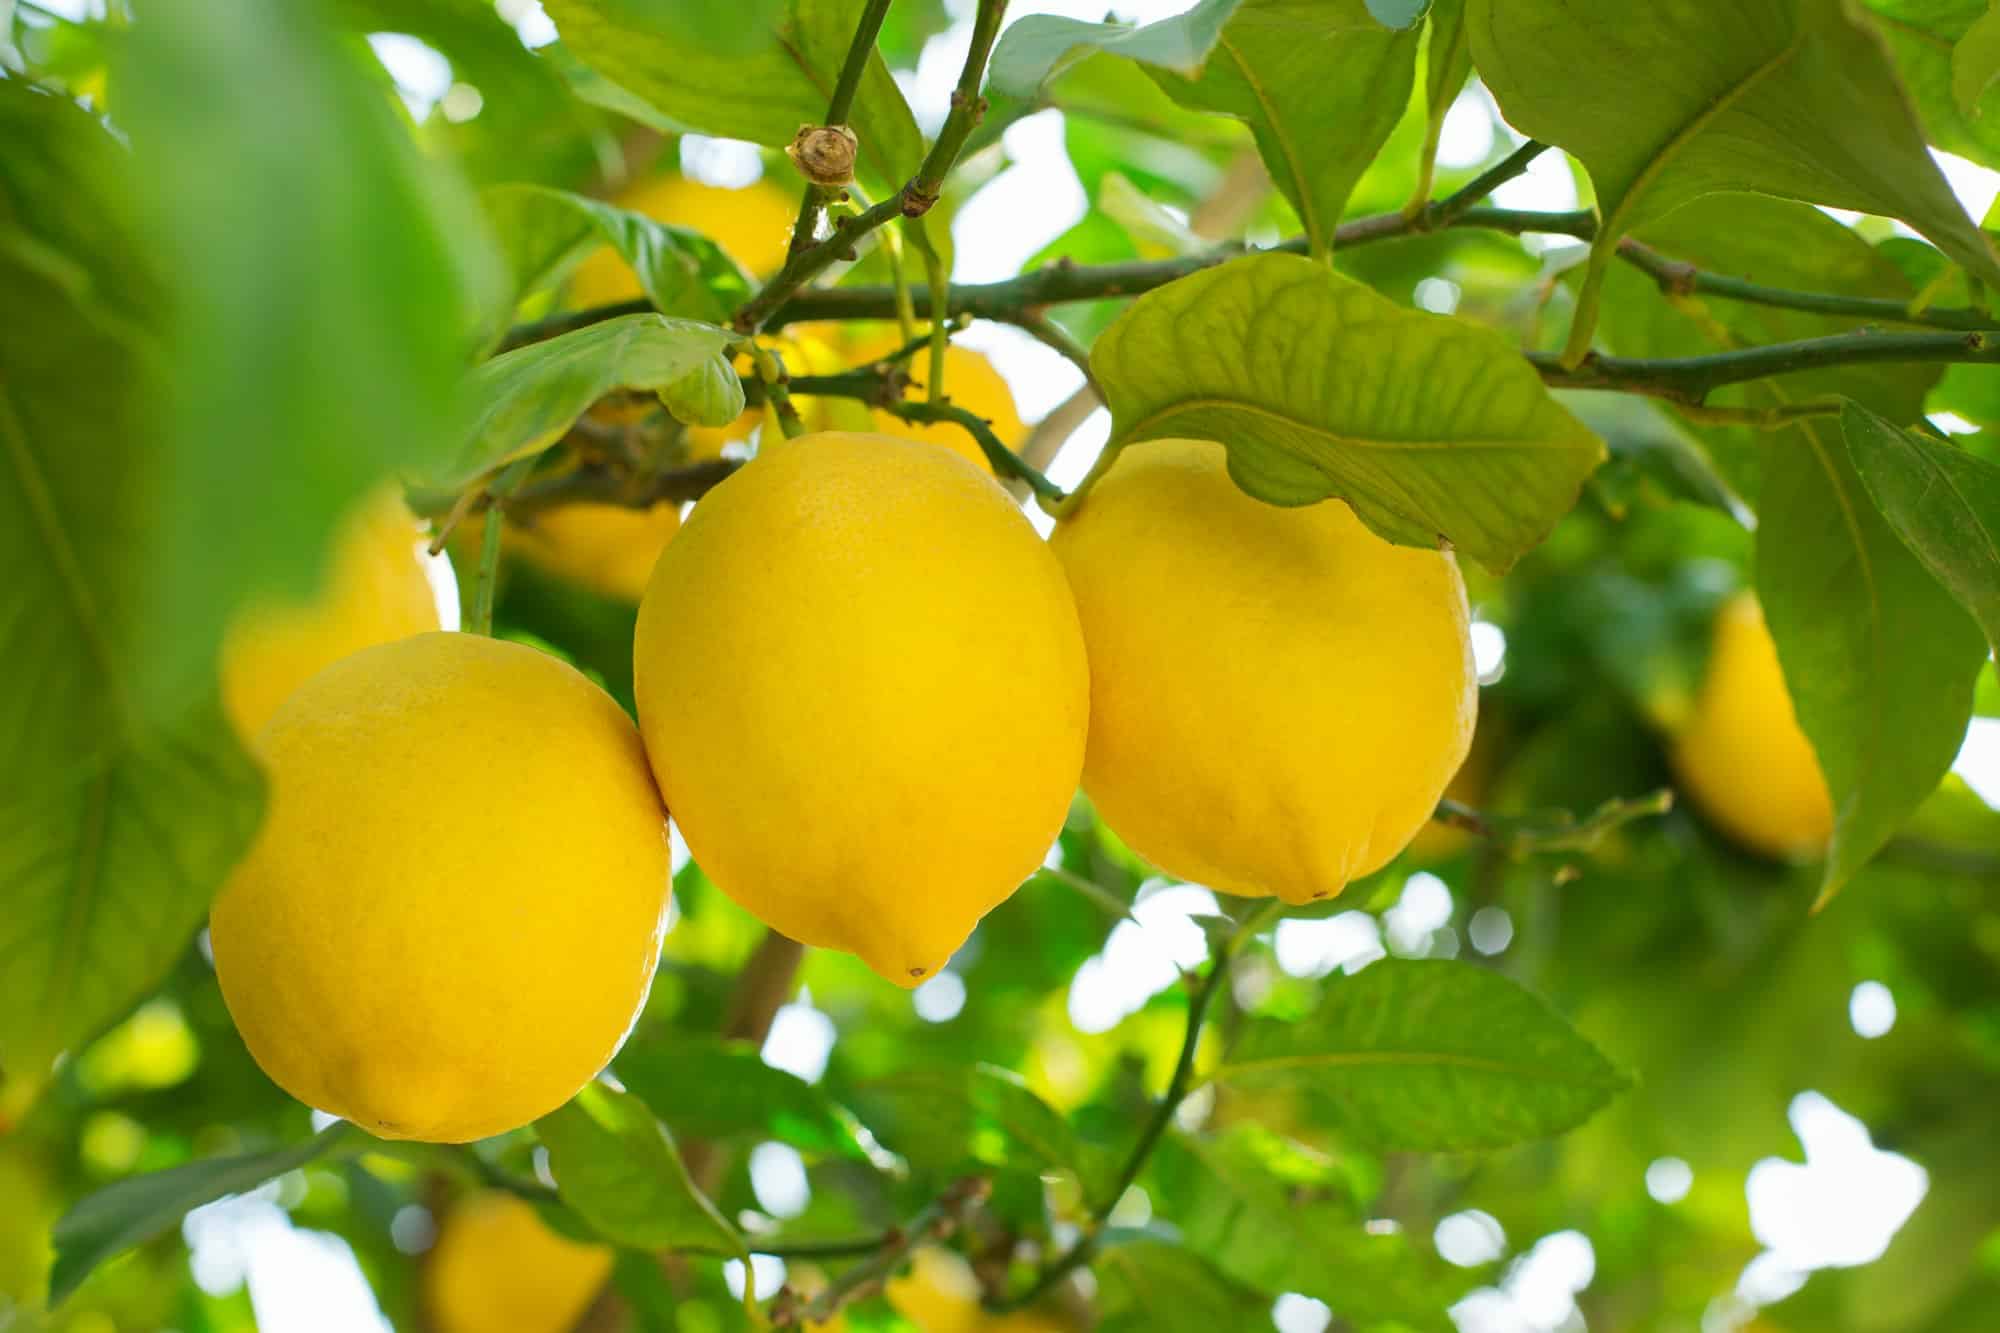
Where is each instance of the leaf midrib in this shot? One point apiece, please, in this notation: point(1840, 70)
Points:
point(1139, 428)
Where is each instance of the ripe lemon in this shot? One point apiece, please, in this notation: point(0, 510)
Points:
point(1278, 696)
point(753, 225)
point(498, 1268)
point(863, 691)
point(970, 382)
point(429, 954)
point(608, 548)
point(940, 1294)
point(1742, 756)
point(374, 590)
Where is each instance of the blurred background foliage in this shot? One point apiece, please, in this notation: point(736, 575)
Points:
point(1746, 1023)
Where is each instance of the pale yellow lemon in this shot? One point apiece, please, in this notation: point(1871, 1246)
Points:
point(940, 1294)
point(863, 691)
point(753, 225)
point(453, 909)
point(1278, 696)
point(373, 590)
point(1741, 755)
point(608, 548)
point(498, 1268)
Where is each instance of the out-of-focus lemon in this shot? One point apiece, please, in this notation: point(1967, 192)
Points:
point(753, 224)
point(374, 590)
point(939, 1294)
point(452, 912)
point(1278, 696)
point(608, 548)
point(498, 1268)
point(1741, 755)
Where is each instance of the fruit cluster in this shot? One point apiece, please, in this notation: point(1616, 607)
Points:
point(867, 691)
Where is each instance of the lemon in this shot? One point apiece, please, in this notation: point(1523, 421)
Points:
point(498, 1268)
point(452, 912)
point(1278, 696)
point(753, 225)
point(608, 548)
point(940, 1294)
point(970, 382)
point(1741, 755)
point(863, 691)
point(374, 590)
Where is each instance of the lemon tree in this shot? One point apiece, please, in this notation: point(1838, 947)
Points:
point(886, 665)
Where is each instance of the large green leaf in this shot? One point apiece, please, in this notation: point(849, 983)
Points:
point(663, 51)
point(1266, 1213)
point(711, 1089)
point(1031, 49)
point(618, 1168)
point(115, 829)
point(1975, 63)
point(1780, 244)
point(1942, 501)
point(540, 231)
point(1431, 428)
point(328, 284)
point(529, 397)
point(1666, 103)
point(131, 1212)
point(1320, 83)
point(1431, 1056)
point(1923, 37)
point(1879, 659)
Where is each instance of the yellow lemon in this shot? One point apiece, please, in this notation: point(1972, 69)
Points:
point(863, 691)
point(374, 590)
point(940, 1294)
point(498, 1268)
point(608, 548)
point(970, 382)
point(431, 955)
point(1278, 696)
point(753, 225)
point(1742, 756)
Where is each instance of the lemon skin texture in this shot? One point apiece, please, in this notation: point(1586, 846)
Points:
point(374, 590)
point(1278, 696)
point(608, 548)
point(498, 1268)
point(1742, 756)
point(863, 691)
point(430, 955)
point(753, 225)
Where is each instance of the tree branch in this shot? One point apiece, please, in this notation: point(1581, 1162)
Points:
point(935, 1222)
point(837, 108)
point(1690, 379)
point(882, 391)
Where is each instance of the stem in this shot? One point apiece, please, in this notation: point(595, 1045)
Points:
point(1459, 202)
point(1680, 279)
point(837, 108)
point(1053, 335)
point(936, 1221)
point(489, 573)
point(878, 390)
point(1689, 379)
point(967, 108)
point(936, 281)
point(1085, 1248)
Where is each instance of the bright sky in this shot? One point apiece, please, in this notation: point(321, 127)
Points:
point(1839, 1205)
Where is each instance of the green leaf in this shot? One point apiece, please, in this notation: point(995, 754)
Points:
point(1878, 658)
point(1942, 501)
point(1784, 97)
point(618, 1168)
point(943, 1118)
point(118, 1217)
point(115, 829)
point(1264, 1212)
point(760, 90)
point(1975, 62)
point(540, 231)
point(1921, 36)
point(529, 398)
point(329, 284)
point(1150, 1285)
point(1447, 65)
point(1431, 428)
point(712, 1089)
point(1032, 48)
point(1320, 84)
point(1397, 13)
point(1431, 1057)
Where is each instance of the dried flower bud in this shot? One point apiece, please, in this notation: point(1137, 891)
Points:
point(824, 154)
